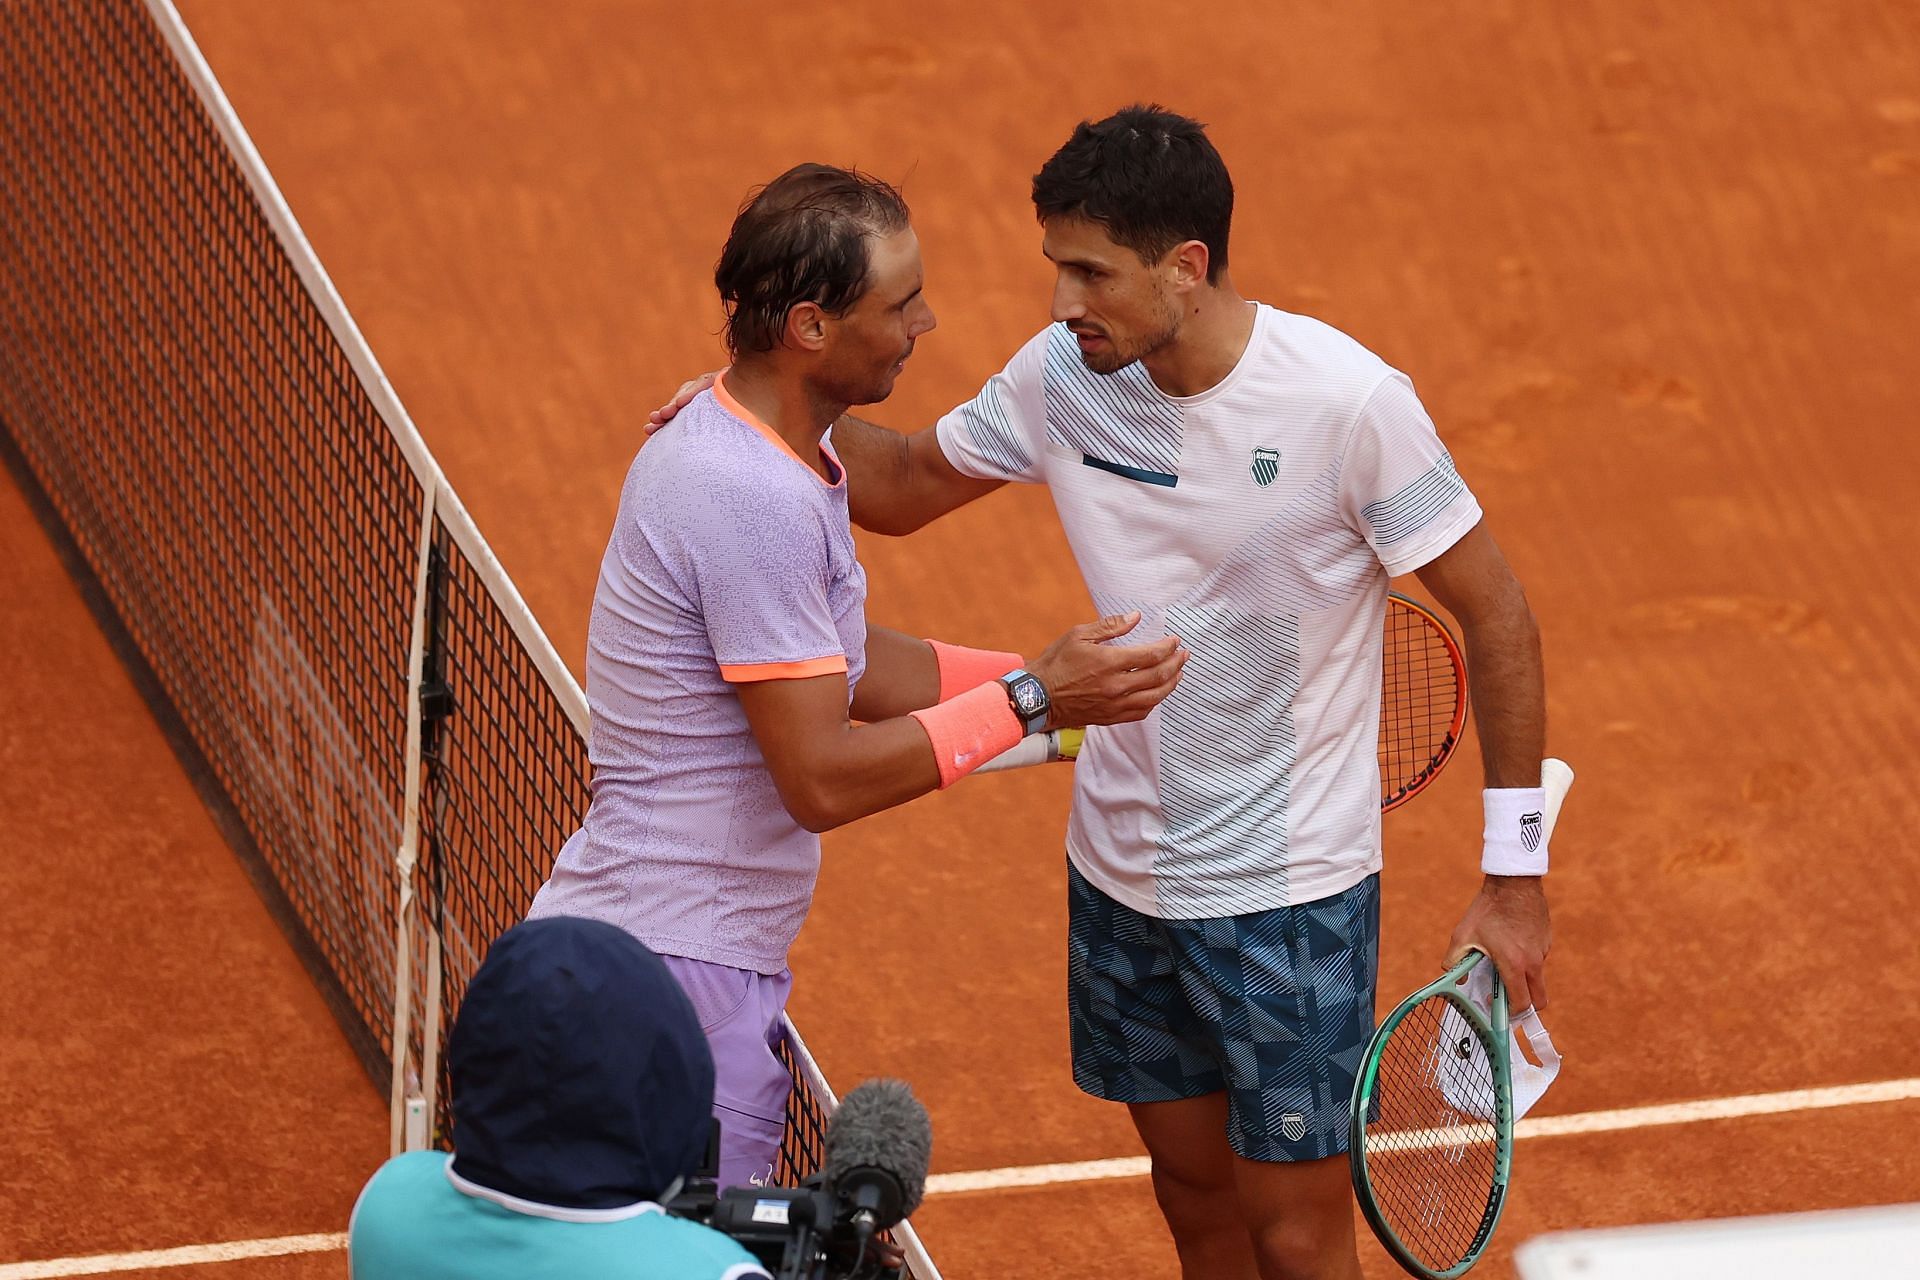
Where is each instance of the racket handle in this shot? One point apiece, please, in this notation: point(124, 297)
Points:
point(1038, 748)
point(1555, 776)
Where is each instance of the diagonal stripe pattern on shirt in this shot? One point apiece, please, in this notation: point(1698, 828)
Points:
point(1227, 736)
point(1409, 510)
point(1226, 756)
point(993, 431)
point(1115, 417)
point(1325, 565)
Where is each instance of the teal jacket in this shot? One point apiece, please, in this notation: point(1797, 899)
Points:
point(419, 1220)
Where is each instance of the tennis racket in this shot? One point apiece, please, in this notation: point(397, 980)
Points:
point(1423, 707)
point(1430, 1138)
point(1423, 700)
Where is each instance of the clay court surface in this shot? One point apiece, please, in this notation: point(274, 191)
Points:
point(1655, 272)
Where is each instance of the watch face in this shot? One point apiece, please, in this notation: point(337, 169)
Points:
point(1031, 695)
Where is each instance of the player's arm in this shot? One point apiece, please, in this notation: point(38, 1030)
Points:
point(902, 676)
point(897, 483)
point(1472, 580)
point(905, 674)
point(1401, 492)
point(830, 770)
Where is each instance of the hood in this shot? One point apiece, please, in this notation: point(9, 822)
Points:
point(580, 1074)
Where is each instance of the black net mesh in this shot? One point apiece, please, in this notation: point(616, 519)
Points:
point(180, 400)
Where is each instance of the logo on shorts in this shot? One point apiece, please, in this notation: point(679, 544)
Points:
point(1266, 465)
point(1530, 831)
point(1293, 1126)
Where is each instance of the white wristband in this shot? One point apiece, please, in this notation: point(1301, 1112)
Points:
point(1515, 841)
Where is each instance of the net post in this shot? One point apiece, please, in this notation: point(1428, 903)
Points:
point(434, 706)
point(417, 1130)
point(402, 1028)
point(430, 1037)
point(919, 1264)
point(400, 1133)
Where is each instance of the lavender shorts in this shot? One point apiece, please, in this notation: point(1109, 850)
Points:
point(740, 1012)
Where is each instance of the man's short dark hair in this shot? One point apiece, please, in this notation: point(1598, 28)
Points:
point(801, 238)
point(1150, 177)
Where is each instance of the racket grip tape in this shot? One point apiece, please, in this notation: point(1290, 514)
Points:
point(1038, 748)
point(1555, 777)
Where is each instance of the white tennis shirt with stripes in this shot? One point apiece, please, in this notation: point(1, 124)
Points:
point(1259, 521)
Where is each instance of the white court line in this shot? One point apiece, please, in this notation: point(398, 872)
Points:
point(1038, 1175)
point(1756, 1104)
point(191, 1255)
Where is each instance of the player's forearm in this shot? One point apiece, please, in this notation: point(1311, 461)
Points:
point(880, 489)
point(1509, 687)
point(858, 772)
point(830, 771)
point(902, 676)
point(1474, 582)
point(896, 483)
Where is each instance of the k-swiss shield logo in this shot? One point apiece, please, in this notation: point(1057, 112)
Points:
point(1293, 1126)
point(1266, 465)
point(1530, 831)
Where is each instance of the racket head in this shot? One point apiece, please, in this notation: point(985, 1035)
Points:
point(1430, 1127)
point(1423, 700)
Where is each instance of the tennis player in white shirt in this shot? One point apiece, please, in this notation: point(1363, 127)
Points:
point(1248, 480)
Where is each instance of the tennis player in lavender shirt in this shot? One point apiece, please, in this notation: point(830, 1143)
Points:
point(741, 703)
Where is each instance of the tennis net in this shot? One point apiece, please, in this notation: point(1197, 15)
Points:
point(367, 695)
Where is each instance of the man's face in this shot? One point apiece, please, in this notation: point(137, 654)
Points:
point(1119, 308)
point(872, 340)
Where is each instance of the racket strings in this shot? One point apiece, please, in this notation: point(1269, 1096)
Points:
point(1420, 708)
point(1432, 1142)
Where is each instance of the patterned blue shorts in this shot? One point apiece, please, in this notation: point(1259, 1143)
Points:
point(1275, 1007)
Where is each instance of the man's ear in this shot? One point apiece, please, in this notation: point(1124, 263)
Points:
point(1188, 263)
point(806, 327)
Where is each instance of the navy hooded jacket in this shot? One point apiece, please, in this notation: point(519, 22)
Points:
point(580, 1074)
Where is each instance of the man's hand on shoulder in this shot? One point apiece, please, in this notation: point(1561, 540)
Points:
point(681, 399)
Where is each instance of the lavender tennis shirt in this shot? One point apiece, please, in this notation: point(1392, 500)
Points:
point(731, 561)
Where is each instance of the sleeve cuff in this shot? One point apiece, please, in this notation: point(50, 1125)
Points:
point(1436, 542)
point(956, 453)
point(750, 672)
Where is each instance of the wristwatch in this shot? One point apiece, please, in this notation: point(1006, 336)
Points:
point(1031, 705)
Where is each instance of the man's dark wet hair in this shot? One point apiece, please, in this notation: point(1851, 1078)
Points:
point(1150, 177)
point(801, 238)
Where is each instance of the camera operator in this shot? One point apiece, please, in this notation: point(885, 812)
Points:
point(582, 1097)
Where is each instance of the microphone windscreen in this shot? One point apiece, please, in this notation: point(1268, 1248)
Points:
point(881, 1124)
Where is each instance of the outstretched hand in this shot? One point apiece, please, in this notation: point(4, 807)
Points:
point(1508, 921)
point(1092, 682)
point(681, 399)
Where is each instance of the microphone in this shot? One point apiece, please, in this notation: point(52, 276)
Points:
point(877, 1148)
